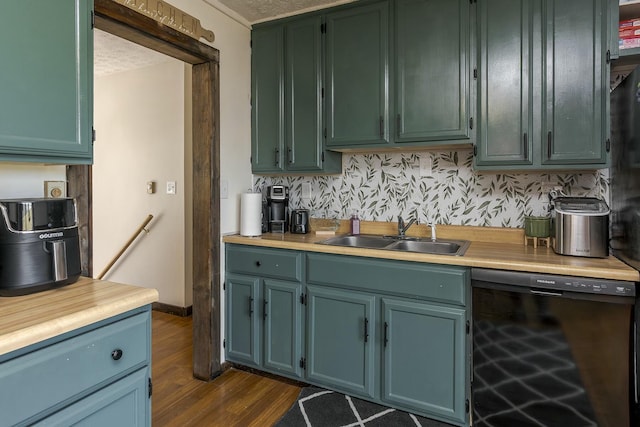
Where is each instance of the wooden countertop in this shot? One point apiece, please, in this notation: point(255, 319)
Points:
point(29, 319)
point(489, 249)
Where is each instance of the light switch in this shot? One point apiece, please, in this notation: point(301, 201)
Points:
point(171, 187)
point(224, 188)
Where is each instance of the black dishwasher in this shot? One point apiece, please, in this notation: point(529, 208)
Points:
point(553, 350)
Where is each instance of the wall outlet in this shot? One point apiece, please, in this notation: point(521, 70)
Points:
point(306, 191)
point(55, 189)
point(425, 165)
point(546, 187)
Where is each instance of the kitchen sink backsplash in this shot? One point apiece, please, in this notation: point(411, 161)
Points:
point(382, 186)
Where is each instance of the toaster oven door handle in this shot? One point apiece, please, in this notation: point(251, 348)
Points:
point(59, 259)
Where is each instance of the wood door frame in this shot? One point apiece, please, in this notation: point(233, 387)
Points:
point(138, 28)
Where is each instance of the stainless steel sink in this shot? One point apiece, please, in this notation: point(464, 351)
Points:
point(444, 247)
point(359, 241)
point(392, 243)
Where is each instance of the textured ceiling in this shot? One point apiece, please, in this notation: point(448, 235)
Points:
point(263, 10)
point(112, 54)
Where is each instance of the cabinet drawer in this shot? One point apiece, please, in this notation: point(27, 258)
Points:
point(123, 403)
point(262, 262)
point(50, 377)
point(412, 279)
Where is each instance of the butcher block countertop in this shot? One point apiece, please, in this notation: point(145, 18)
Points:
point(491, 247)
point(29, 319)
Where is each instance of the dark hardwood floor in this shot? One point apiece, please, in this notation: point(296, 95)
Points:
point(236, 398)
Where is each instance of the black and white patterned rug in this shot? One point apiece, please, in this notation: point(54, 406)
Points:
point(525, 376)
point(317, 407)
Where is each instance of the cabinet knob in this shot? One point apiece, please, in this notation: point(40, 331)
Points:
point(116, 354)
point(258, 263)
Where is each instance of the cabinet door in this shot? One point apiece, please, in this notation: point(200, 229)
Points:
point(303, 78)
point(505, 82)
point(46, 81)
point(576, 79)
point(432, 70)
point(341, 340)
point(123, 403)
point(243, 319)
point(424, 358)
point(282, 313)
point(267, 99)
point(357, 56)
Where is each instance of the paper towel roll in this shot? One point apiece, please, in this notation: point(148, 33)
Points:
point(251, 214)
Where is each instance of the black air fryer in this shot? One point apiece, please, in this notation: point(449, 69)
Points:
point(39, 245)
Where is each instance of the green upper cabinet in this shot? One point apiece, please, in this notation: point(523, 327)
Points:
point(432, 53)
point(357, 75)
point(543, 80)
point(505, 77)
point(576, 81)
point(267, 100)
point(287, 125)
point(303, 77)
point(46, 112)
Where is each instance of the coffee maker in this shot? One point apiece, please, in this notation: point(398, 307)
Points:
point(278, 208)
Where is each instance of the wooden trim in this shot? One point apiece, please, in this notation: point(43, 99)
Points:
point(172, 309)
point(79, 180)
point(135, 27)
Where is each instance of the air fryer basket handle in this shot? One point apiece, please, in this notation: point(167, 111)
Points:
point(59, 261)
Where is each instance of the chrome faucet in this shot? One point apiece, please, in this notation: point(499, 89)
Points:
point(433, 230)
point(402, 228)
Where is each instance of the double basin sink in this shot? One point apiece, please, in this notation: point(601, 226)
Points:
point(403, 244)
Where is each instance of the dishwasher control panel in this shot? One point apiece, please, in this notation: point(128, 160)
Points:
point(537, 281)
point(582, 284)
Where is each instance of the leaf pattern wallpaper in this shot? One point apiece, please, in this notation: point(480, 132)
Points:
point(382, 186)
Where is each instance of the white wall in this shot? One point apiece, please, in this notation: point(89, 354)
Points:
point(232, 39)
point(18, 180)
point(139, 120)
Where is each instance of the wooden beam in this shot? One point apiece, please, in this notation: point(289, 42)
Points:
point(121, 21)
point(79, 187)
point(206, 221)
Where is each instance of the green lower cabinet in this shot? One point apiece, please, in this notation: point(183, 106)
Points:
point(392, 332)
point(243, 321)
point(121, 404)
point(282, 313)
point(264, 324)
point(97, 375)
point(423, 362)
point(341, 340)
